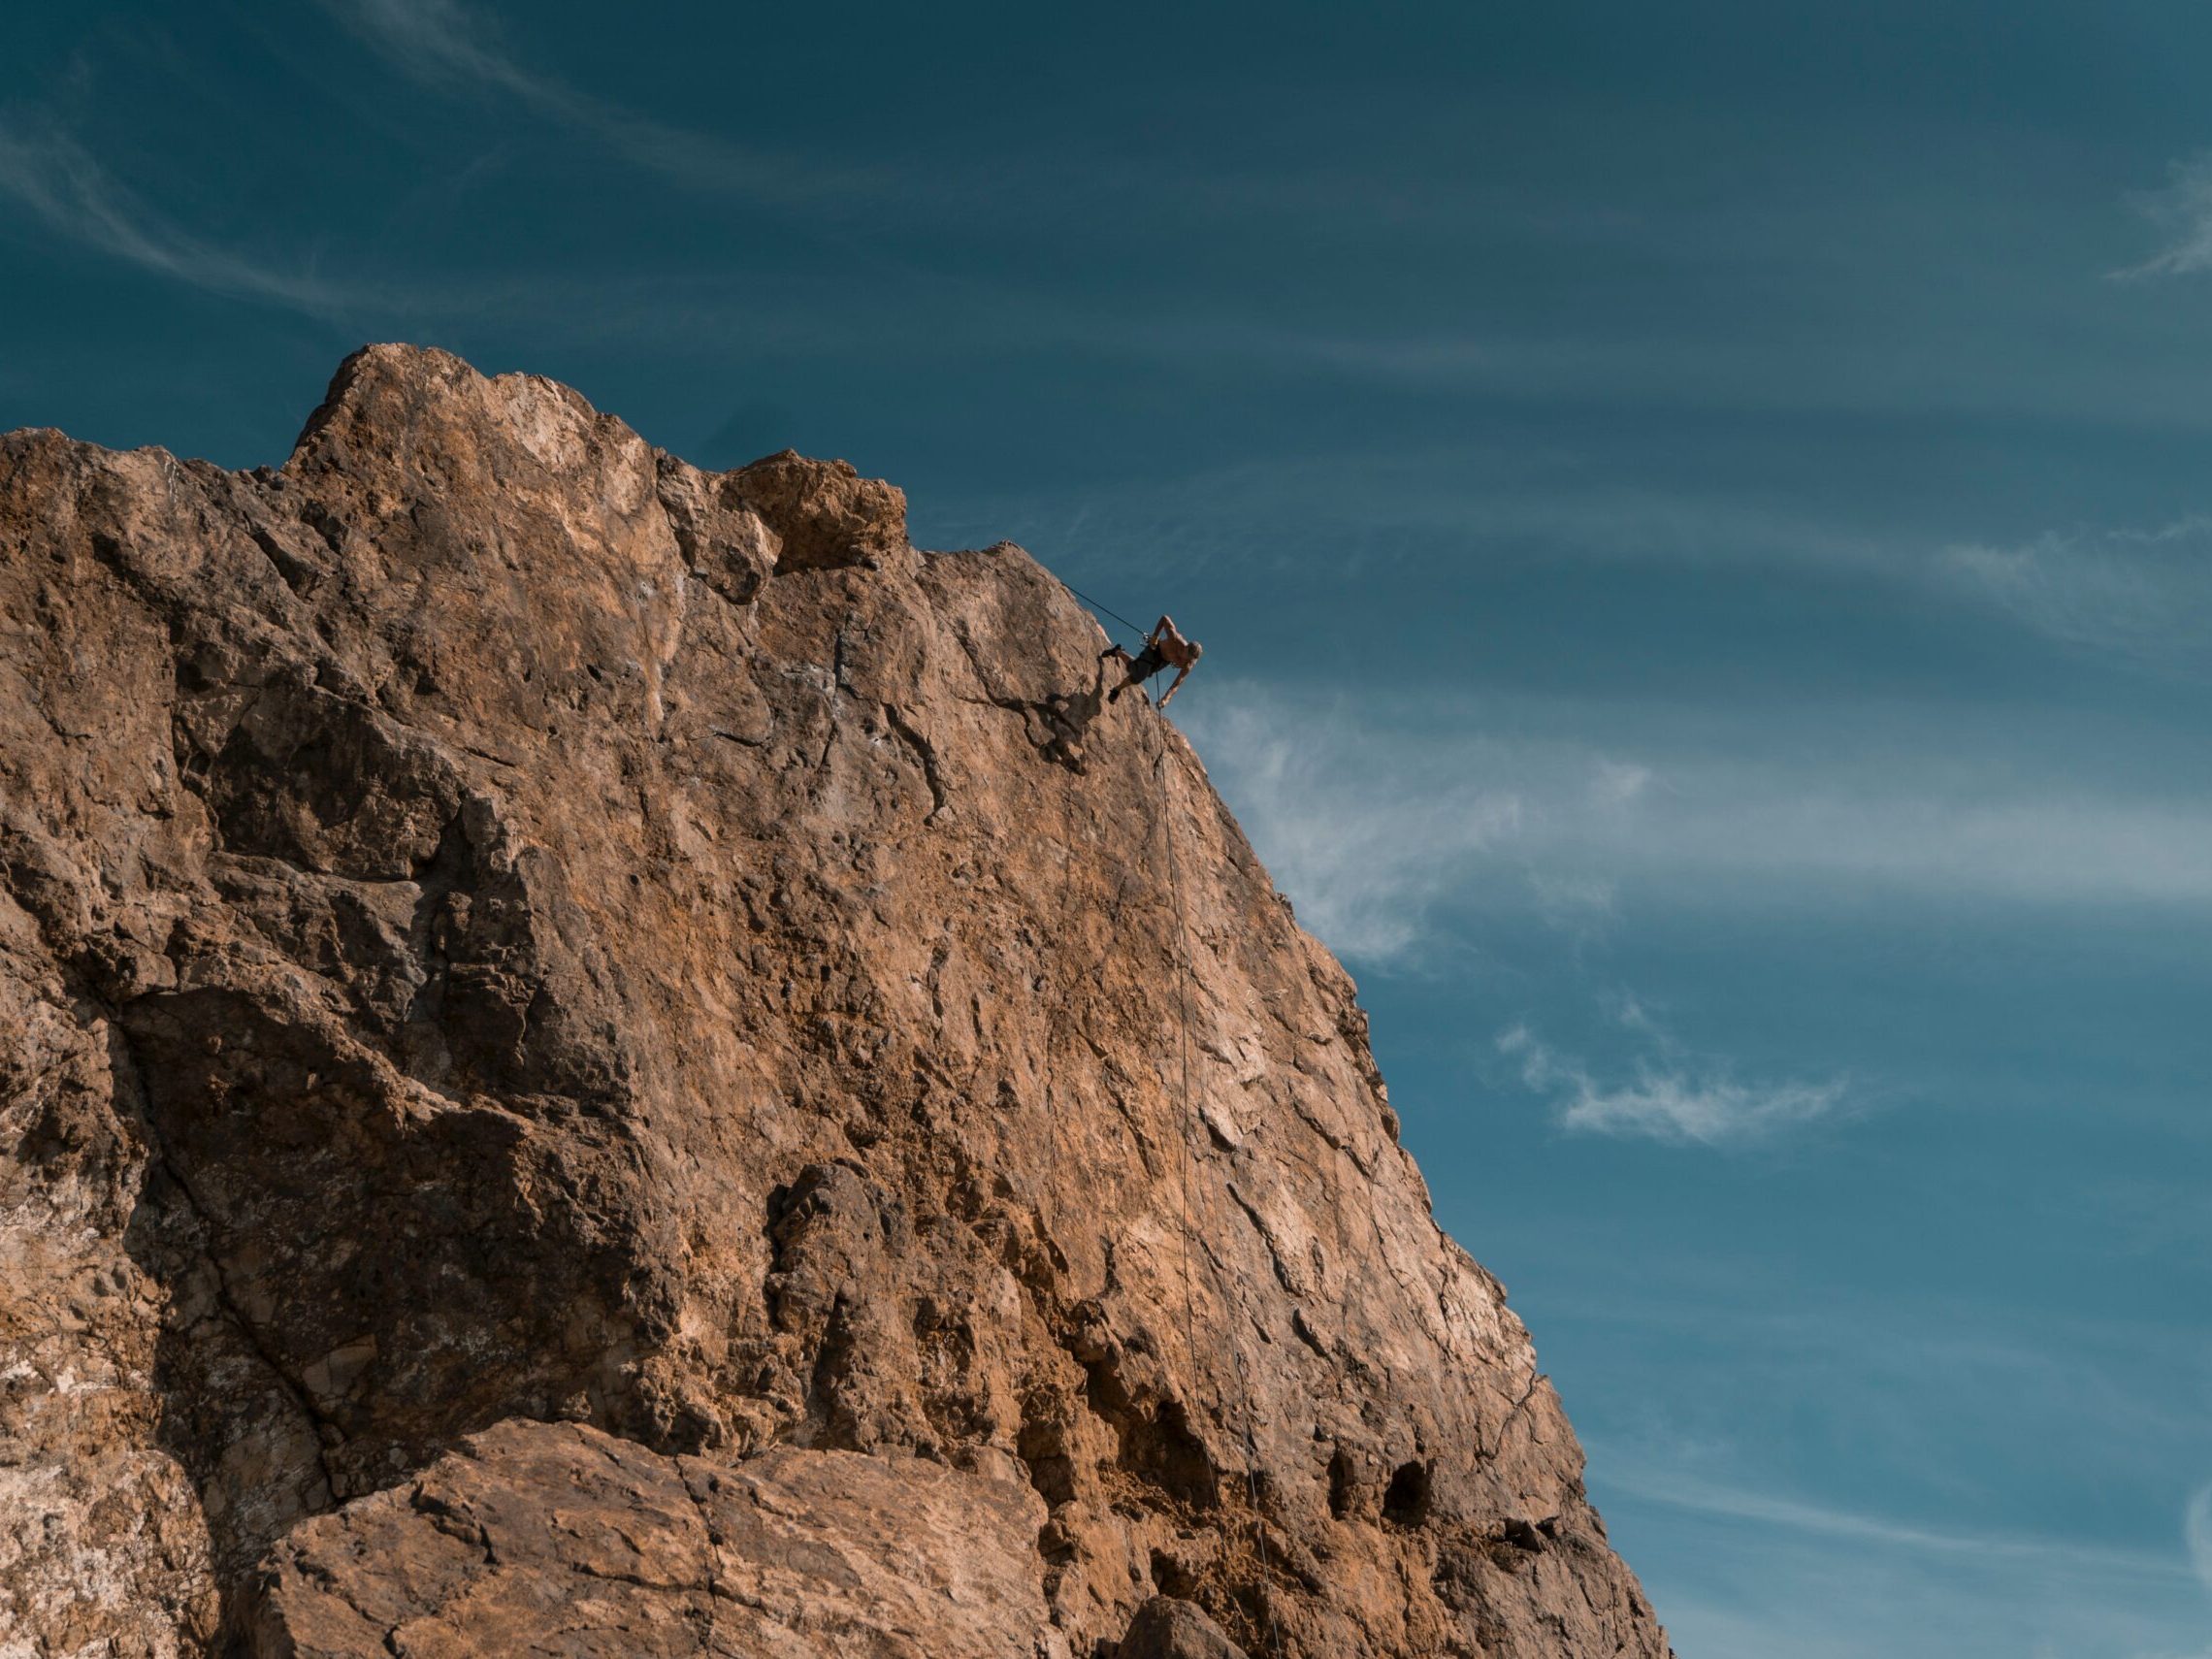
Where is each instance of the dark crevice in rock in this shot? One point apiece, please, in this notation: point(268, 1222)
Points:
point(181, 1357)
point(710, 1541)
point(294, 572)
point(1512, 1413)
point(1406, 1498)
point(924, 752)
point(1154, 1440)
point(1282, 1274)
point(1341, 1488)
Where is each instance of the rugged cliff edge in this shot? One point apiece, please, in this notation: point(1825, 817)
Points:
point(596, 1062)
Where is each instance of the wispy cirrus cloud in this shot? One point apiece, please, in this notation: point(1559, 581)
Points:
point(1669, 1094)
point(1382, 818)
point(1759, 1568)
point(2197, 1532)
point(1364, 863)
point(1677, 1489)
point(2196, 1539)
point(48, 174)
point(449, 46)
point(2141, 593)
point(1370, 831)
point(1421, 506)
point(2183, 209)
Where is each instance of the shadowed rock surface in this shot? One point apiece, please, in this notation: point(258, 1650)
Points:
point(598, 1050)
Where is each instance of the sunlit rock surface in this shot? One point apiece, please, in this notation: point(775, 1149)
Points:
point(598, 1050)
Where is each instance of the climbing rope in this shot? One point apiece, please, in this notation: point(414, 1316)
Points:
point(1183, 1023)
point(1190, 1238)
point(1272, 1639)
point(1132, 627)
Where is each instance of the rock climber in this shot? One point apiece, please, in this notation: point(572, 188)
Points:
point(1163, 645)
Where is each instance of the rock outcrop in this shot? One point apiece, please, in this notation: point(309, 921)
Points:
point(553, 1538)
point(599, 1055)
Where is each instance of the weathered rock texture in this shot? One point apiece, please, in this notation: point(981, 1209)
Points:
point(595, 1058)
point(553, 1538)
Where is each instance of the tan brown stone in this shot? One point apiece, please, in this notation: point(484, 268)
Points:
point(553, 1538)
point(500, 925)
point(1166, 1628)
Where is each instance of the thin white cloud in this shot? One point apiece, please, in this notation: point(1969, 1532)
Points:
point(1620, 783)
point(2196, 1532)
point(1418, 506)
point(48, 174)
point(1924, 1386)
point(1732, 1587)
point(2196, 1541)
point(1363, 861)
point(1677, 1489)
point(1379, 817)
point(446, 45)
point(2141, 593)
point(1577, 904)
point(2183, 209)
point(2048, 843)
point(1371, 832)
point(1892, 1370)
point(1670, 1096)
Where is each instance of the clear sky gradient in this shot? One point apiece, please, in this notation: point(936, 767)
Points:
point(1700, 520)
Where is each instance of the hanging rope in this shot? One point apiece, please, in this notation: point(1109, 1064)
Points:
point(1182, 1025)
point(1190, 1238)
point(1272, 1639)
point(1132, 627)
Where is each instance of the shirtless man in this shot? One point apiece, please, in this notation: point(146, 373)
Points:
point(1163, 645)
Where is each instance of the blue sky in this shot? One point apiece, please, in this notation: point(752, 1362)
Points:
point(1700, 523)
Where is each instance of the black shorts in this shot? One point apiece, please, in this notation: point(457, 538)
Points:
point(1146, 665)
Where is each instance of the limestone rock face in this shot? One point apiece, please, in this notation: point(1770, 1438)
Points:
point(610, 1052)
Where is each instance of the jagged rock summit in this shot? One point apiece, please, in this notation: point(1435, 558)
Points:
point(599, 1062)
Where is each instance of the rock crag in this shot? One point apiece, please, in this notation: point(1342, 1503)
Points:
point(600, 1060)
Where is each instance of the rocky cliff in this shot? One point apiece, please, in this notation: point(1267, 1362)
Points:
point(603, 1059)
